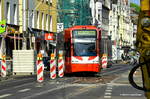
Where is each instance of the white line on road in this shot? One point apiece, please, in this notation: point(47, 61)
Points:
point(19, 80)
point(107, 93)
point(44, 92)
point(5, 95)
point(107, 96)
point(109, 87)
point(60, 87)
point(108, 90)
point(15, 87)
point(133, 95)
point(24, 90)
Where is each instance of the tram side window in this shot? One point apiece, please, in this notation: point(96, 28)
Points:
point(68, 49)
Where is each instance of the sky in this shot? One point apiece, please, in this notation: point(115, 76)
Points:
point(136, 1)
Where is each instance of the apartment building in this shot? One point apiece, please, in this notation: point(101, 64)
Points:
point(42, 15)
point(27, 21)
point(9, 11)
point(113, 30)
point(121, 28)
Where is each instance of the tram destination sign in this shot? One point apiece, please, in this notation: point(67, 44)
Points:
point(87, 32)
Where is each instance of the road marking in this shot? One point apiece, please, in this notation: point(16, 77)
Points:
point(5, 95)
point(119, 84)
point(108, 90)
point(109, 85)
point(43, 92)
point(133, 95)
point(15, 87)
point(107, 93)
point(23, 85)
point(17, 80)
point(59, 87)
point(24, 90)
point(107, 96)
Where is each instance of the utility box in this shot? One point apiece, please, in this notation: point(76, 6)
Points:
point(24, 62)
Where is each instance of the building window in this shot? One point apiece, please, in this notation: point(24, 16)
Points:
point(50, 23)
point(33, 18)
point(0, 10)
point(15, 14)
point(8, 12)
point(47, 22)
point(50, 1)
point(43, 21)
point(38, 19)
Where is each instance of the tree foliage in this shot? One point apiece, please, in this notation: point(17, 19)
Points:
point(137, 7)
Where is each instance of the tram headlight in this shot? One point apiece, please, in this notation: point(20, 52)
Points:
point(145, 22)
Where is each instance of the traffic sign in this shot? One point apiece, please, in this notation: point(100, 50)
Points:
point(2, 26)
point(60, 27)
point(49, 36)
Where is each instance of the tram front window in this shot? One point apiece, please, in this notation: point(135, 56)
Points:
point(85, 49)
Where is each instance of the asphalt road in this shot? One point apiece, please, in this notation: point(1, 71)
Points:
point(111, 83)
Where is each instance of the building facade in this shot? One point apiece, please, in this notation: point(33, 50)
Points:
point(9, 11)
point(121, 28)
point(27, 21)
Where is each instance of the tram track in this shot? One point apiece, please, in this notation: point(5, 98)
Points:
point(105, 76)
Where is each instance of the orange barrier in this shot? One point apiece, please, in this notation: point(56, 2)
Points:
point(52, 67)
point(3, 66)
point(104, 61)
point(60, 66)
point(40, 68)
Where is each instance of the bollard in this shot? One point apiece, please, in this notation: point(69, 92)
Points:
point(52, 67)
point(60, 66)
point(3, 66)
point(40, 68)
point(104, 61)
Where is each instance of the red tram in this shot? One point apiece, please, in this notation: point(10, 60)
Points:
point(82, 49)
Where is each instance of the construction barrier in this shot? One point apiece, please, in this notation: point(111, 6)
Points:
point(104, 61)
point(60, 66)
point(3, 66)
point(40, 68)
point(52, 66)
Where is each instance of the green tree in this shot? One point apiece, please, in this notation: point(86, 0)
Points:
point(137, 7)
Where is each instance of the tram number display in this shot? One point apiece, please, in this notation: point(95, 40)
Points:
point(82, 33)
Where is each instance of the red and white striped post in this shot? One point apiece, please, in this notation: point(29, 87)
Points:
point(52, 67)
point(60, 66)
point(104, 61)
point(40, 68)
point(3, 66)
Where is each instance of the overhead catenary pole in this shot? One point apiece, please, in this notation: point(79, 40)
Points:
point(24, 3)
point(14, 41)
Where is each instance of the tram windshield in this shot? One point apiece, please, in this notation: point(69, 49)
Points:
point(85, 49)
